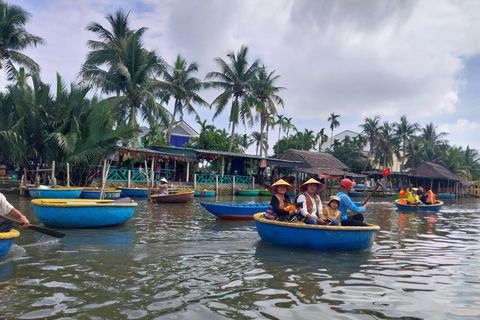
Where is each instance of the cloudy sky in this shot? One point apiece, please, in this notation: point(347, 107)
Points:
point(354, 58)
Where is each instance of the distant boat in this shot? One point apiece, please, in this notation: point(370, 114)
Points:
point(264, 192)
point(445, 196)
point(248, 192)
point(78, 213)
point(318, 237)
point(411, 207)
point(355, 194)
point(94, 193)
point(137, 192)
point(204, 193)
point(234, 210)
point(6, 241)
point(55, 193)
point(173, 197)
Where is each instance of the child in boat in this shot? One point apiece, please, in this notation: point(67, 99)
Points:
point(331, 211)
point(162, 187)
point(280, 201)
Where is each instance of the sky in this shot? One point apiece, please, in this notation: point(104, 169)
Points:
point(353, 58)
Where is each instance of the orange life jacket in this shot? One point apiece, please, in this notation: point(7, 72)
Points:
point(431, 197)
point(300, 217)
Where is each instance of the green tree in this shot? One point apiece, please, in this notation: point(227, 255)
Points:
point(334, 123)
point(371, 131)
point(14, 38)
point(321, 139)
point(129, 71)
point(265, 91)
point(388, 145)
point(405, 132)
point(183, 88)
point(235, 79)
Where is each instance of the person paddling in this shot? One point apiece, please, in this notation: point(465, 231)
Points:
point(347, 203)
point(7, 208)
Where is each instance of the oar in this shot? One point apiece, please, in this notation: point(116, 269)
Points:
point(371, 194)
point(43, 230)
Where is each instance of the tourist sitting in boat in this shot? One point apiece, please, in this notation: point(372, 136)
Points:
point(347, 203)
point(429, 197)
point(309, 203)
point(412, 197)
point(331, 212)
point(7, 208)
point(162, 186)
point(280, 201)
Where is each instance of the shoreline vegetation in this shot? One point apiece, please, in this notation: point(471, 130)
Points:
point(61, 122)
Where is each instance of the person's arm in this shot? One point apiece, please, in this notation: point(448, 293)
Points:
point(276, 207)
point(15, 213)
point(303, 207)
point(355, 207)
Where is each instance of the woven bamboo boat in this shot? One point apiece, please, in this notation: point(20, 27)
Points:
point(6, 241)
point(234, 210)
point(173, 197)
point(78, 213)
point(324, 238)
point(411, 207)
point(55, 193)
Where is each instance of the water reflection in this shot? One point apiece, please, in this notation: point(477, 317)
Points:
point(179, 262)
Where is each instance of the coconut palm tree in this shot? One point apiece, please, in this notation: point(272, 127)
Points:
point(405, 131)
point(129, 70)
point(388, 145)
point(371, 130)
point(415, 153)
point(183, 88)
point(321, 138)
point(14, 38)
point(235, 79)
point(265, 91)
point(334, 123)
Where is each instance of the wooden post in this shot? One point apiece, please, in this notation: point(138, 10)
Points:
point(52, 181)
point(233, 186)
point(68, 175)
point(129, 177)
point(216, 184)
point(188, 171)
point(194, 181)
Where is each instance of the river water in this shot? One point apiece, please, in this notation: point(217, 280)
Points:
point(176, 261)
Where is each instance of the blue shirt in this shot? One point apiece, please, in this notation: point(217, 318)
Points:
point(347, 203)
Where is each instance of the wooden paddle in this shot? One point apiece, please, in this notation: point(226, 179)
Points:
point(379, 184)
point(43, 230)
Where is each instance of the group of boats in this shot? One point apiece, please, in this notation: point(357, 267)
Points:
point(62, 207)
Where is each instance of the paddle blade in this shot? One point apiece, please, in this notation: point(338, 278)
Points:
point(47, 231)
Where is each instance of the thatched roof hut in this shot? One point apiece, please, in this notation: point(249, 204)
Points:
point(439, 178)
point(316, 162)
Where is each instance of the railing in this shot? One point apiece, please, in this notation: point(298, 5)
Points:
point(141, 176)
point(222, 179)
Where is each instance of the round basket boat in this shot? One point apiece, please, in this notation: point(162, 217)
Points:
point(425, 207)
point(6, 241)
point(317, 237)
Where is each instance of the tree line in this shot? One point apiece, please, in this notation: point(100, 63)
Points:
point(121, 81)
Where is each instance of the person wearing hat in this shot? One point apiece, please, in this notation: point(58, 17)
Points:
point(309, 203)
point(331, 211)
point(347, 203)
point(412, 197)
point(162, 186)
point(280, 200)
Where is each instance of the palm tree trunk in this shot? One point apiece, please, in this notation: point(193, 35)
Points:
point(231, 138)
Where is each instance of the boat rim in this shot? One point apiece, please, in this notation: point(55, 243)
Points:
point(9, 234)
point(80, 203)
point(437, 203)
point(259, 217)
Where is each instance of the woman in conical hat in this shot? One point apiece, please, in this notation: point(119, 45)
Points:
point(309, 203)
point(280, 201)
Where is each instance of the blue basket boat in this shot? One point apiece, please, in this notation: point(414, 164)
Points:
point(55, 193)
point(324, 238)
point(235, 211)
point(93, 193)
point(137, 192)
point(204, 193)
point(78, 213)
point(248, 192)
point(6, 241)
point(411, 207)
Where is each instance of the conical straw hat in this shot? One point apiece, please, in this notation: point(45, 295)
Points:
point(320, 186)
point(281, 182)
